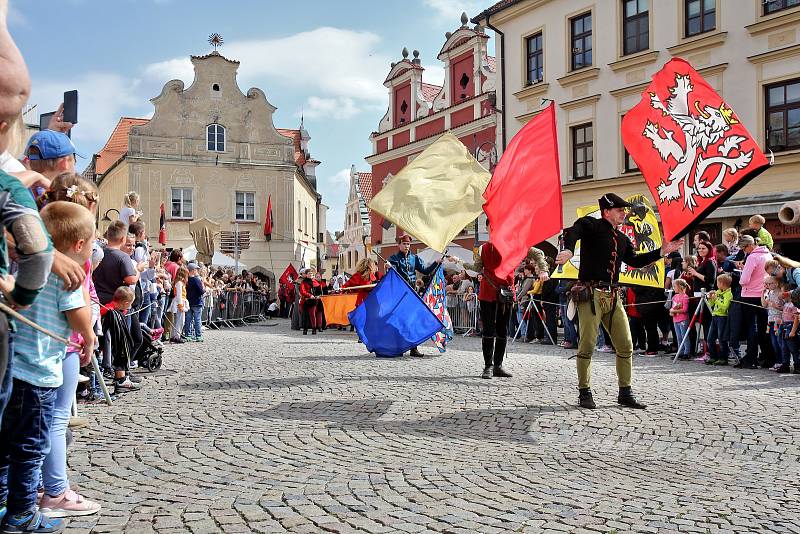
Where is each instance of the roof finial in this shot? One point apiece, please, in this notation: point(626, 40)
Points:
point(464, 19)
point(215, 40)
point(405, 53)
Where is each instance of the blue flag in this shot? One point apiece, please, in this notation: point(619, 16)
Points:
point(393, 318)
point(435, 299)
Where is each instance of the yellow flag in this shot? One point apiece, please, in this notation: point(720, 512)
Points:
point(435, 196)
point(641, 226)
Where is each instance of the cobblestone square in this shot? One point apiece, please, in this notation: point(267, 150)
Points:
point(261, 429)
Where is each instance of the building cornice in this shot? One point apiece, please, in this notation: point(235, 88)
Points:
point(417, 146)
point(516, 10)
point(775, 22)
point(773, 55)
point(636, 60)
point(427, 118)
point(532, 91)
point(704, 41)
point(582, 75)
point(572, 104)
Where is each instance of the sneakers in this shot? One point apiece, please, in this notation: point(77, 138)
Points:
point(650, 354)
point(176, 340)
point(721, 362)
point(703, 358)
point(124, 384)
point(199, 339)
point(567, 345)
point(68, 504)
point(34, 522)
point(487, 372)
point(605, 348)
point(133, 364)
point(82, 379)
point(189, 338)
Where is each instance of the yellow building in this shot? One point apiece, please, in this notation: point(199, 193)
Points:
point(594, 58)
point(211, 151)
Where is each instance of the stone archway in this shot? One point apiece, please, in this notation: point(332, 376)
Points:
point(258, 269)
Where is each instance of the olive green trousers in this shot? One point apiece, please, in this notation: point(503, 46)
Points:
point(609, 311)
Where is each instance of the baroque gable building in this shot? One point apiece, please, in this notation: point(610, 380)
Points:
point(419, 112)
point(212, 152)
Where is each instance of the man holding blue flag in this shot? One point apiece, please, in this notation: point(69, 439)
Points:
point(407, 264)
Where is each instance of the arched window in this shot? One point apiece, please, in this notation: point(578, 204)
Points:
point(215, 137)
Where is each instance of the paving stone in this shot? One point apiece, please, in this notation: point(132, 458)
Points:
point(260, 429)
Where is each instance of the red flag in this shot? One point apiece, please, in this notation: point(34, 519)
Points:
point(289, 272)
point(268, 221)
point(523, 199)
point(693, 151)
point(162, 226)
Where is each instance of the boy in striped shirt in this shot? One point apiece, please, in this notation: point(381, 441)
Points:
point(37, 372)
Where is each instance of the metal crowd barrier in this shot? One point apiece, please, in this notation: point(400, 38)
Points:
point(465, 315)
point(234, 308)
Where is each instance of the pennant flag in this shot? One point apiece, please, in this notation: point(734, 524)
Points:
point(435, 196)
point(692, 149)
point(641, 226)
point(523, 200)
point(290, 271)
point(268, 220)
point(162, 226)
point(338, 306)
point(435, 299)
point(393, 318)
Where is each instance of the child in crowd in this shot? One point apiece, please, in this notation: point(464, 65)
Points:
point(195, 289)
point(37, 372)
point(179, 303)
point(720, 302)
point(773, 301)
point(730, 238)
point(763, 237)
point(118, 339)
point(789, 328)
point(680, 316)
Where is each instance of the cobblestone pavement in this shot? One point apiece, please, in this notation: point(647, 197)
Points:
point(261, 429)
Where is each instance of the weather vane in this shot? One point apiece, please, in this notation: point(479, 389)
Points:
point(215, 40)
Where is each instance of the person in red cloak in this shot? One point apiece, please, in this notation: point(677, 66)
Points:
point(366, 274)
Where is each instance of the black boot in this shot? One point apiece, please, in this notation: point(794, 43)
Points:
point(416, 353)
point(487, 344)
point(626, 398)
point(585, 399)
point(499, 353)
point(305, 331)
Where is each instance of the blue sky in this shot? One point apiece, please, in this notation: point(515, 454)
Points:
point(327, 58)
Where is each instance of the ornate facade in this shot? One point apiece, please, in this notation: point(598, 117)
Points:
point(419, 112)
point(211, 151)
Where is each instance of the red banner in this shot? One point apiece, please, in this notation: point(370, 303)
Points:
point(690, 146)
point(268, 221)
point(290, 272)
point(162, 226)
point(523, 199)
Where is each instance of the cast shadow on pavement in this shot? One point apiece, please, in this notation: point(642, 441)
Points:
point(511, 424)
point(252, 383)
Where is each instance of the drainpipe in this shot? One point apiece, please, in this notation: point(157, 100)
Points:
point(502, 73)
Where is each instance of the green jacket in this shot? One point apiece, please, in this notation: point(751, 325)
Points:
point(721, 302)
point(765, 238)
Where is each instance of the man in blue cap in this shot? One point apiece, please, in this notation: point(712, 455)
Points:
point(51, 153)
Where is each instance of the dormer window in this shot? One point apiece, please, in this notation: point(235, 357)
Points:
point(215, 138)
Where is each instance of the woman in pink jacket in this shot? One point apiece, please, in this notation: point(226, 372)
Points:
point(754, 317)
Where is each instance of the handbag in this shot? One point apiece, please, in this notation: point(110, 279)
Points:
point(505, 295)
point(579, 292)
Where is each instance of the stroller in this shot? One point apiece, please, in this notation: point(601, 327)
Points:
point(150, 354)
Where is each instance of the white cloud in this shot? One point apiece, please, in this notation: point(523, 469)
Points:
point(434, 73)
point(334, 62)
point(448, 12)
point(336, 108)
point(340, 178)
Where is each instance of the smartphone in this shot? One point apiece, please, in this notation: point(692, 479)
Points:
point(71, 106)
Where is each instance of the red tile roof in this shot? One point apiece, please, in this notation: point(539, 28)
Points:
point(365, 185)
point(117, 144)
point(429, 91)
point(299, 156)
